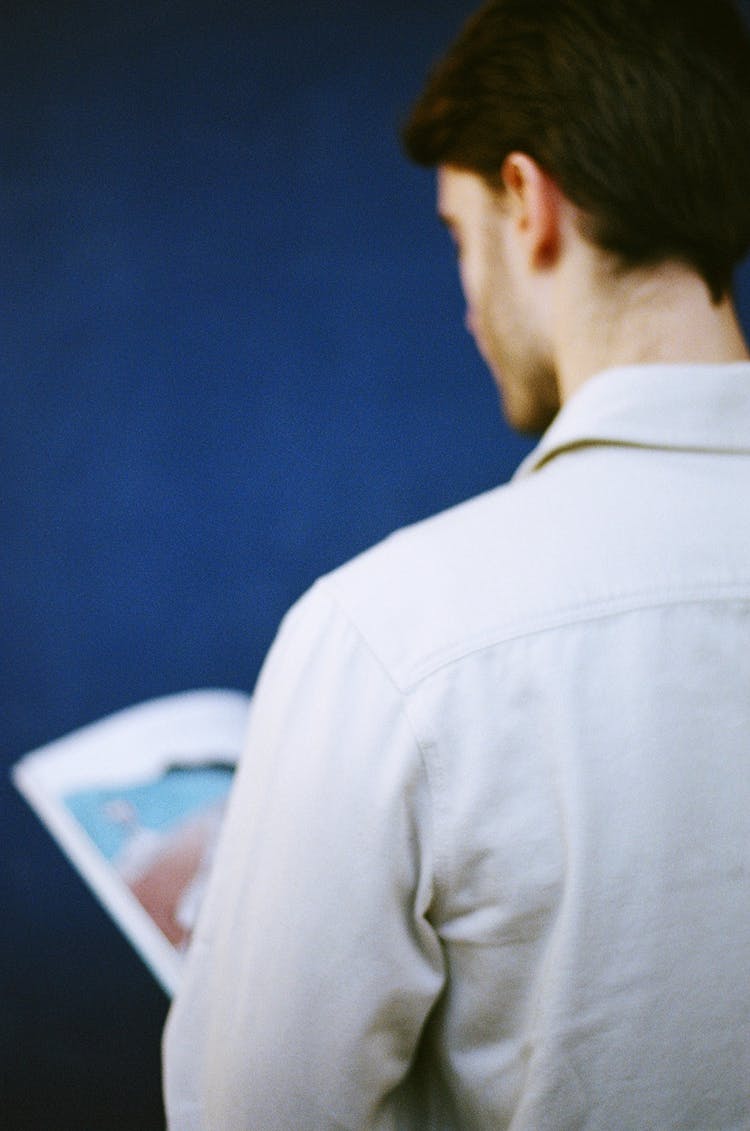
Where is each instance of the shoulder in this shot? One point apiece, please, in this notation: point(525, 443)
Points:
point(441, 585)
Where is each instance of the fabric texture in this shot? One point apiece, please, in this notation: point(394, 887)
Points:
point(487, 859)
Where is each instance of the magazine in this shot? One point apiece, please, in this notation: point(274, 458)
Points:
point(135, 801)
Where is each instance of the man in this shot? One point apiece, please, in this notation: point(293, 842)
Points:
point(487, 862)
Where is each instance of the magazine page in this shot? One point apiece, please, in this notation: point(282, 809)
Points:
point(135, 801)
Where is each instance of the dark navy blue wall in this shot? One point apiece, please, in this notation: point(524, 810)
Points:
point(232, 356)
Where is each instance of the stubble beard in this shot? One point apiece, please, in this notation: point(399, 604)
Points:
point(529, 391)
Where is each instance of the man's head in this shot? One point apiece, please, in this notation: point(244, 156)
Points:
point(637, 112)
point(498, 237)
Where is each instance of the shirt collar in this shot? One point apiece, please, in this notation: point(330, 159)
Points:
point(685, 407)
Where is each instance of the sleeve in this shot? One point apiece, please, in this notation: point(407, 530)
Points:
point(314, 964)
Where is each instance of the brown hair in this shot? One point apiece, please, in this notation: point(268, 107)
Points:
point(639, 110)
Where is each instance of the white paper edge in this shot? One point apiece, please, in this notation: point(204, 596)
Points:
point(90, 758)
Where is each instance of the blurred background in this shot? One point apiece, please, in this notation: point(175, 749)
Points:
point(232, 355)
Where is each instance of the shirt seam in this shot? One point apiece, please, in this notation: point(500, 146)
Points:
point(578, 614)
point(567, 617)
point(432, 771)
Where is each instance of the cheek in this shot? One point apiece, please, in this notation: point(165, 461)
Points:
point(470, 321)
point(472, 286)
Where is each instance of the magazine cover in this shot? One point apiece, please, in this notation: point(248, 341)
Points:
point(135, 801)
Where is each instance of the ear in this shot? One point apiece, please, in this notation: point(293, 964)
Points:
point(536, 207)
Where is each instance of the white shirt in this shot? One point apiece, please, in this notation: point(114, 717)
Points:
point(487, 861)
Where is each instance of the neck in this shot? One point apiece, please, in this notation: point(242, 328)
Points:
point(662, 315)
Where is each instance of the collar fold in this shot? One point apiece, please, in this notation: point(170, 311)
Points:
point(682, 407)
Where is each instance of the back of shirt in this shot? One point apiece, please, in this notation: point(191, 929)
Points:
point(487, 861)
